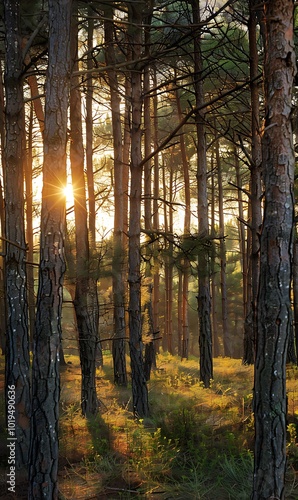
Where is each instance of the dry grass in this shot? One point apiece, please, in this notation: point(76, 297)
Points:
point(196, 444)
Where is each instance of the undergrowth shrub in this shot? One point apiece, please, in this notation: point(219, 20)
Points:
point(152, 454)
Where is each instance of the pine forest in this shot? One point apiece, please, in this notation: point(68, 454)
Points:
point(148, 249)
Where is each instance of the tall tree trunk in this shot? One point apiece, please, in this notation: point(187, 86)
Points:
point(256, 190)
point(17, 388)
point(87, 331)
point(89, 130)
point(29, 228)
point(204, 299)
point(150, 355)
point(179, 311)
point(3, 315)
point(214, 316)
point(118, 346)
point(93, 260)
point(295, 290)
point(274, 304)
point(223, 261)
point(244, 247)
point(185, 261)
point(43, 465)
point(156, 278)
point(167, 341)
point(139, 386)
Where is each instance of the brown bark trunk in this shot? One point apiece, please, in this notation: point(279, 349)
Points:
point(3, 315)
point(227, 343)
point(150, 360)
point(185, 264)
point(156, 278)
point(167, 341)
point(274, 303)
point(256, 191)
point(213, 274)
point(118, 346)
point(204, 299)
point(17, 390)
point(93, 277)
point(43, 465)
point(295, 291)
point(86, 331)
point(139, 386)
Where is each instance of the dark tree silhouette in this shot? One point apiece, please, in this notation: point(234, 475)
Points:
point(43, 467)
point(274, 304)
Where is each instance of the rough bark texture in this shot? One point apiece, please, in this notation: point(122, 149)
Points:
point(214, 315)
point(156, 280)
point(295, 291)
point(185, 264)
point(274, 306)
point(204, 299)
point(139, 386)
point(93, 257)
point(3, 316)
point(87, 331)
point(45, 375)
point(17, 341)
point(29, 228)
point(118, 346)
point(256, 191)
point(227, 341)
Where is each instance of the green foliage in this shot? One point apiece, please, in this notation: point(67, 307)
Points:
point(237, 476)
point(151, 453)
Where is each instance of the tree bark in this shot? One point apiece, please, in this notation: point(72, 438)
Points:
point(295, 290)
point(43, 465)
point(256, 191)
point(87, 331)
point(227, 343)
point(139, 386)
point(17, 338)
point(156, 277)
point(274, 304)
point(204, 299)
point(150, 359)
point(118, 346)
point(214, 315)
point(29, 229)
point(93, 259)
point(3, 315)
point(185, 264)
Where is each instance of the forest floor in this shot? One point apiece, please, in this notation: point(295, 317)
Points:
point(197, 443)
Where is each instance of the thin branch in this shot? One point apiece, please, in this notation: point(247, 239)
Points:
point(192, 112)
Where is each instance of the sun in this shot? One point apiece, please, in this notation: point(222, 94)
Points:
point(68, 193)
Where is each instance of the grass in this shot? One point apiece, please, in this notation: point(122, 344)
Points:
point(197, 443)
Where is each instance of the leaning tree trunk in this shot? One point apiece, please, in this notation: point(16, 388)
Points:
point(43, 466)
point(17, 338)
point(274, 305)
